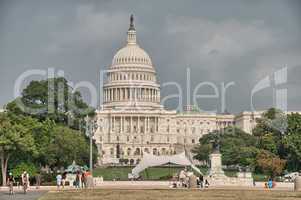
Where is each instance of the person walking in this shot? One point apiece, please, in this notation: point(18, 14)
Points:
point(38, 180)
point(83, 180)
point(10, 183)
point(270, 183)
point(201, 181)
point(64, 177)
point(206, 184)
point(80, 180)
point(25, 181)
point(77, 180)
point(58, 180)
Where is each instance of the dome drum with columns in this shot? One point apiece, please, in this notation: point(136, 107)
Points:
point(131, 79)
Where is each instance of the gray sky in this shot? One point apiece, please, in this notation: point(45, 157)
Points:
point(220, 41)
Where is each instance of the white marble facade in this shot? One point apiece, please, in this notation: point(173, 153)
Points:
point(131, 120)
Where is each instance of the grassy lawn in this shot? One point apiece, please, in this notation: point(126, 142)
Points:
point(211, 194)
point(154, 173)
point(121, 173)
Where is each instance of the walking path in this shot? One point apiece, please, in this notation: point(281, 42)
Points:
point(34, 193)
point(19, 195)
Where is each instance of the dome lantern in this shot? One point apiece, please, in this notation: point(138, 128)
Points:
point(132, 32)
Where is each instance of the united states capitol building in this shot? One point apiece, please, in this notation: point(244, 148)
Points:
point(132, 121)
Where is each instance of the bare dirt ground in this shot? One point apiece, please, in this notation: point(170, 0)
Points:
point(172, 194)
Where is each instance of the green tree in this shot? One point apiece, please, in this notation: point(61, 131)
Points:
point(68, 145)
point(13, 138)
point(292, 142)
point(52, 99)
point(30, 168)
point(270, 131)
point(236, 147)
point(270, 163)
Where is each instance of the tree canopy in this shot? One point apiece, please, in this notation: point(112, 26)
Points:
point(44, 127)
point(274, 145)
point(52, 99)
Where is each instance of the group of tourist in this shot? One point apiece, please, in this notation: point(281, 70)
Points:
point(187, 179)
point(270, 184)
point(61, 180)
point(201, 183)
point(24, 180)
point(80, 181)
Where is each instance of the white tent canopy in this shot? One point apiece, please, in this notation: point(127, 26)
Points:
point(150, 160)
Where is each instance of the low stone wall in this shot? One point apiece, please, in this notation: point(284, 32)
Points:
point(230, 181)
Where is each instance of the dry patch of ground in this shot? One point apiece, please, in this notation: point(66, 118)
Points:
point(177, 194)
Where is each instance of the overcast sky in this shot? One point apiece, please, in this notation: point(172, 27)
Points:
point(219, 41)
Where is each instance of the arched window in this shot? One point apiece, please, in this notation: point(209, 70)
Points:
point(128, 152)
point(112, 151)
point(155, 151)
point(137, 152)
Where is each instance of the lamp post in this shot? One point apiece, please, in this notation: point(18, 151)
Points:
point(91, 126)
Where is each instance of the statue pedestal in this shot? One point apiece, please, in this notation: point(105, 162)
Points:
point(217, 175)
point(298, 184)
point(216, 170)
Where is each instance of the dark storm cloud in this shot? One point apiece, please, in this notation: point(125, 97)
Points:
point(219, 41)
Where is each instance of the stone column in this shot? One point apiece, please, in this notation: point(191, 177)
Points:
point(157, 124)
point(148, 124)
point(145, 124)
point(130, 93)
point(111, 124)
point(108, 95)
point(111, 94)
point(138, 124)
point(131, 125)
point(121, 123)
point(104, 95)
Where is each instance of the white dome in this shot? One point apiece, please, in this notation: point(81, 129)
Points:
point(131, 54)
point(131, 81)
